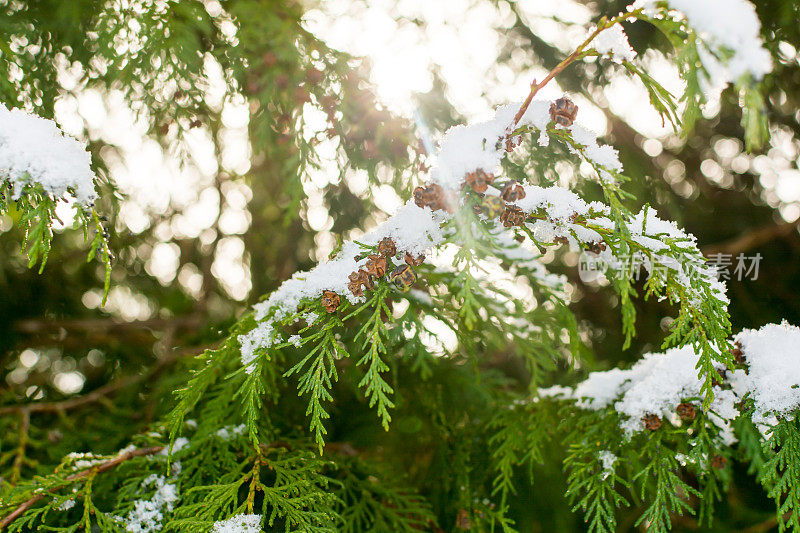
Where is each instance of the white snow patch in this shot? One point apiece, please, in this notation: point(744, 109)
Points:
point(35, 150)
point(147, 515)
point(772, 354)
point(607, 459)
point(242, 523)
point(612, 42)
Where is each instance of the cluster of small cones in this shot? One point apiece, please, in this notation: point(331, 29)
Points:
point(376, 267)
point(563, 111)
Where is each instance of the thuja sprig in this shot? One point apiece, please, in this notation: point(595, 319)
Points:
point(373, 335)
point(35, 212)
point(781, 472)
point(316, 380)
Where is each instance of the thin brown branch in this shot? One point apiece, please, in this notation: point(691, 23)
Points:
point(72, 403)
point(24, 427)
point(535, 87)
point(102, 467)
point(32, 327)
point(99, 393)
point(766, 525)
point(751, 239)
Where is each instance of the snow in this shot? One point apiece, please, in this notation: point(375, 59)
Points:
point(242, 523)
point(34, 150)
point(654, 385)
point(613, 42)
point(556, 391)
point(559, 203)
point(725, 26)
point(772, 354)
point(413, 229)
point(465, 149)
point(230, 431)
point(658, 382)
point(538, 116)
point(607, 459)
point(147, 515)
point(179, 444)
point(559, 206)
point(66, 505)
point(600, 155)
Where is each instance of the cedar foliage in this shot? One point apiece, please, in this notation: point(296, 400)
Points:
point(367, 425)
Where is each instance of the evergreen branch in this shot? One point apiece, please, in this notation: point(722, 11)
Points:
point(780, 474)
point(318, 379)
point(662, 486)
point(602, 24)
point(83, 474)
point(373, 335)
point(24, 427)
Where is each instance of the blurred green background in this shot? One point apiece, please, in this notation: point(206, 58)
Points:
point(236, 141)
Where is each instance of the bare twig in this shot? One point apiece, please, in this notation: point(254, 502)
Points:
point(535, 87)
point(751, 239)
point(102, 467)
point(106, 324)
point(99, 393)
point(24, 427)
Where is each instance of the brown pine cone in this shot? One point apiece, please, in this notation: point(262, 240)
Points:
point(414, 261)
point(478, 180)
point(686, 411)
point(563, 111)
point(387, 247)
point(512, 192)
point(419, 196)
point(718, 462)
point(595, 247)
point(738, 354)
point(330, 301)
point(651, 422)
point(376, 265)
point(355, 288)
point(512, 216)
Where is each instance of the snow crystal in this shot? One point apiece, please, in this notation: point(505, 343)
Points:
point(613, 42)
point(725, 27)
point(242, 523)
point(772, 354)
point(34, 150)
point(602, 155)
point(555, 391)
point(179, 444)
point(658, 382)
point(560, 204)
point(257, 338)
point(538, 116)
point(229, 431)
point(147, 515)
point(66, 505)
point(607, 459)
point(295, 340)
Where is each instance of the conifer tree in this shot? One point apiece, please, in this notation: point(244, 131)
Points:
point(358, 395)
